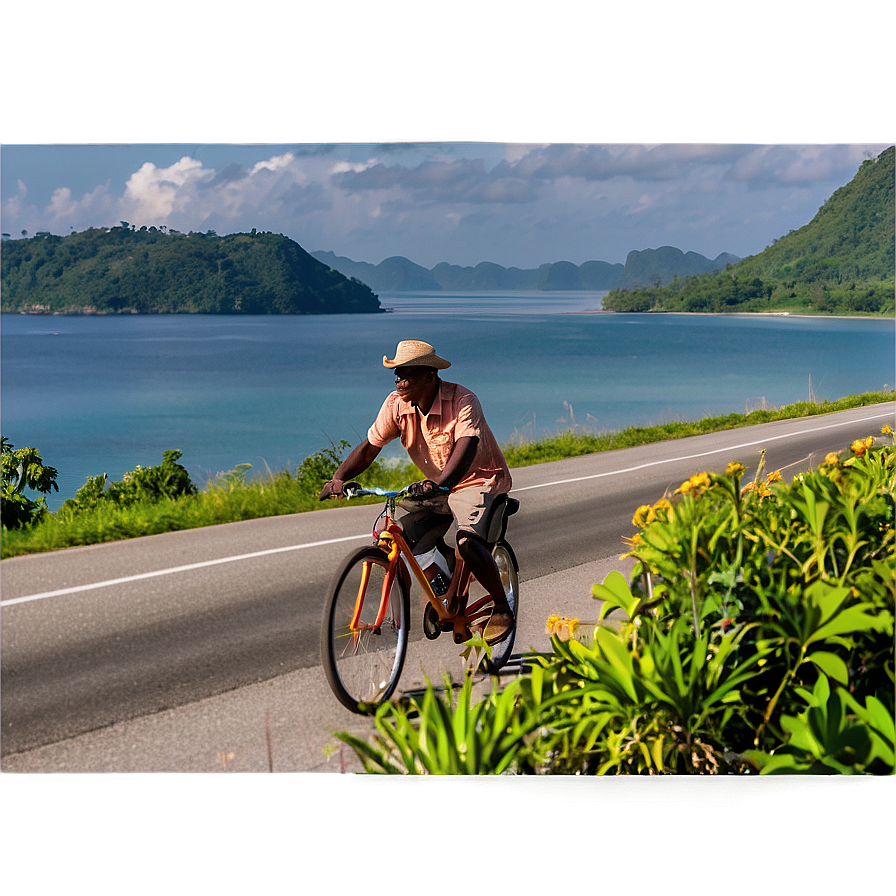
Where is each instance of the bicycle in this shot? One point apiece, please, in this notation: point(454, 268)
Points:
point(366, 620)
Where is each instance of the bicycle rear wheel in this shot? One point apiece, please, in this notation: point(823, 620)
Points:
point(363, 663)
point(509, 578)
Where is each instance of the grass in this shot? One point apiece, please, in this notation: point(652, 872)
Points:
point(230, 499)
point(574, 443)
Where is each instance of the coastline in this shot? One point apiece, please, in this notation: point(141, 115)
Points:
point(742, 314)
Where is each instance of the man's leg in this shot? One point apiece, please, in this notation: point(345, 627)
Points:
point(472, 510)
point(423, 522)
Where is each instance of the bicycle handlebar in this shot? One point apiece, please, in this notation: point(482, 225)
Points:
point(356, 490)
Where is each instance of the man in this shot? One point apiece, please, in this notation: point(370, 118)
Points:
point(442, 427)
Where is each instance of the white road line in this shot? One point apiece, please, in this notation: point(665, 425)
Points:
point(174, 569)
point(298, 547)
point(728, 449)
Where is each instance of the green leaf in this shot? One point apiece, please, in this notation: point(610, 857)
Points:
point(615, 592)
point(619, 658)
point(832, 665)
point(851, 621)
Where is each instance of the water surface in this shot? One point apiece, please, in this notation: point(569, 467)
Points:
point(104, 393)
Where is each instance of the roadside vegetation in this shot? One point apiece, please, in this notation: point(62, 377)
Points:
point(755, 636)
point(162, 498)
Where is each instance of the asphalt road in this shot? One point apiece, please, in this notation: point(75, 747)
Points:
point(196, 625)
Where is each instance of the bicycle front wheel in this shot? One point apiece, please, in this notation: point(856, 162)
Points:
point(363, 660)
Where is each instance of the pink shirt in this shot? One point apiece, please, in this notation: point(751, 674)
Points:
point(429, 438)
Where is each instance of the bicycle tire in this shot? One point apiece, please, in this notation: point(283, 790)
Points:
point(509, 577)
point(363, 667)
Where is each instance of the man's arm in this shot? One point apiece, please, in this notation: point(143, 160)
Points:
point(459, 461)
point(361, 457)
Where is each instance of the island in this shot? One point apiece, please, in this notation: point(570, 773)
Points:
point(150, 270)
point(841, 262)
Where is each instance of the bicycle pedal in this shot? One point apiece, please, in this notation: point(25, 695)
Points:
point(432, 628)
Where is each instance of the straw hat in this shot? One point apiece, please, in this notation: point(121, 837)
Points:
point(413, 353)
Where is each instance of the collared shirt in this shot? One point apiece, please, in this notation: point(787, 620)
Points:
point(430, 438)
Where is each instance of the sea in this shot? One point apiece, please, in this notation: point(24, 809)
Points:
point(102, 394)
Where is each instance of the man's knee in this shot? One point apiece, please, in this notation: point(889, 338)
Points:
point(467, 540)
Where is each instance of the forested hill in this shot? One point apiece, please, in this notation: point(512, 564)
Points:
point(642, 268)
point(151, 271)
point(841, 262)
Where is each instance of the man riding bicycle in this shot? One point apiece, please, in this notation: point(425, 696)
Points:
point(444, 431)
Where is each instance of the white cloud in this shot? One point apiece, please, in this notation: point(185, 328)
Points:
point(152, 194)
point(276, 163)
point(14, 207)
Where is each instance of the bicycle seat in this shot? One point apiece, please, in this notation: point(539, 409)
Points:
point(503, 507)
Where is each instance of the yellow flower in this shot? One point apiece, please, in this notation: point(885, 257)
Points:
point(562, 626)
point(860, 446)
point(832, 459)
point(662, 511)
point(886, 431)
point(640, 519)
point(699, 482)
point(734, 469)
point(774, 476)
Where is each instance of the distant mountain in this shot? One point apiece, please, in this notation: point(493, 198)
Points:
point(395, 274)
point(642, 268)
point(123, 269)
point(658, 267)
point(485, 277)
point(841, 262)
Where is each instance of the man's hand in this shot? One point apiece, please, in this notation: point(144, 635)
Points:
point(333, 489)
point(426, 488)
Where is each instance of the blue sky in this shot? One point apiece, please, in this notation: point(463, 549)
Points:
point(511, 203)
point(493, 133)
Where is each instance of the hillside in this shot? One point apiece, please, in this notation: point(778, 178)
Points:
point(123, 269)
point(645, 267)
point(841, 262)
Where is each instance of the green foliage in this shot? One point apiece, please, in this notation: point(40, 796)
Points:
point(841, 262)
point(24, 468)
point(835, 734)
point(167, 481)
point(447, 734)
point(123, 269)
point(318, 469)
point(756, 634)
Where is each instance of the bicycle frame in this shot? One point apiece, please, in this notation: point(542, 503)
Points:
point(461, 619)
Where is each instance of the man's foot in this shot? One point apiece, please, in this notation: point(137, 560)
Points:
point(499, 625)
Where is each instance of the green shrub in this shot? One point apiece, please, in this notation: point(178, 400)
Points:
point(167, 481)
point(755, 634)
point(21, 469)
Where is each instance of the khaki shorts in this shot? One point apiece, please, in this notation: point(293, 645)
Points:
point(425, 522)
